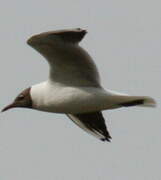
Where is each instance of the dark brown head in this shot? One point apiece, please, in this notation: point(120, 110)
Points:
point(22, 100)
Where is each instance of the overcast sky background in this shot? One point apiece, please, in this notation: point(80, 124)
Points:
point(124, 38)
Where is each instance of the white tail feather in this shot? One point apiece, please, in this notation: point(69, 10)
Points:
point(126, 100)
point(148, 102)
point(144, 101)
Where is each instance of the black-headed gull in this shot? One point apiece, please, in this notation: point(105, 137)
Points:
point(73, 86)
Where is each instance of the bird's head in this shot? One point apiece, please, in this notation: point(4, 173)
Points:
point(22, 100)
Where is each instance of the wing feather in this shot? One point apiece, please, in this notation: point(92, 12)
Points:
point(69, 63)
point(93, 123)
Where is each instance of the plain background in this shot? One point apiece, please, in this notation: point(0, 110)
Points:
point(125, 41)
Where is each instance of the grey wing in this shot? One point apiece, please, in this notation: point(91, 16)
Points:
point(69, 63)
point(93, 123)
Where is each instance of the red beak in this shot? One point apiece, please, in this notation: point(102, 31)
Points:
point(9, 107)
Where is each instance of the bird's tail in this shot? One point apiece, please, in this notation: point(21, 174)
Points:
point(124, 100)
point(138, 101)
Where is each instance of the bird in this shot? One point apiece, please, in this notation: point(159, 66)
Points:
point(73, 86)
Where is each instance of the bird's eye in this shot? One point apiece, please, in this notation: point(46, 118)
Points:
point(20, 97)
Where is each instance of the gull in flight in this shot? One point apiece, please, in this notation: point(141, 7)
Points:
point(73, 87)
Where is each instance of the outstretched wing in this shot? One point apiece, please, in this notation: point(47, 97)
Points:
point(69, 63)
point(93, 123)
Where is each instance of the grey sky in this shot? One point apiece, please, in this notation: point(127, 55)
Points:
point(125, 41)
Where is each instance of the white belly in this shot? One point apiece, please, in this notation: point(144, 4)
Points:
point(74, 100)
point(69, 99)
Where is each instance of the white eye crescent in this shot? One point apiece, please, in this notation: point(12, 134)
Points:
point(21, 96)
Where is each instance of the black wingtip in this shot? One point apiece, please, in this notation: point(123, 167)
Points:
point(133, 103)
point(106, 139)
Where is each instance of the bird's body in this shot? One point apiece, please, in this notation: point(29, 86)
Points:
point(58, 98)
point(67, 99)
point(73, 87)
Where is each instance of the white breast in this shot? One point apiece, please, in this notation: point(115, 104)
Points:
point(57, 98)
